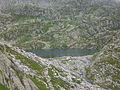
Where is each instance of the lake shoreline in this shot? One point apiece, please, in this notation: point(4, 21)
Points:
point(51, 53)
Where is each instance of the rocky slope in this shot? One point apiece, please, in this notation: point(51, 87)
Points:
point(104, 69)
point(29, 24)
point(69, 24)
point(20, 70)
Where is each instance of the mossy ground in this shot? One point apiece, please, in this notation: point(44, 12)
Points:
point(2, 87)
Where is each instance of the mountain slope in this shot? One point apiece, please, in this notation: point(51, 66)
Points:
point(71, 24)
point(104, 69)
point(19, 71)
point(9, 75)
point(26, 71)
point(59, 24)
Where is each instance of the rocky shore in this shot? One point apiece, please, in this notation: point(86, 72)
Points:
point(20, 74)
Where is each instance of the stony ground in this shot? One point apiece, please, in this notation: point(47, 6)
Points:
point(32, 72)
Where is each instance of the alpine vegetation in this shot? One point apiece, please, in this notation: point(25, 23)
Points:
point(59, 44)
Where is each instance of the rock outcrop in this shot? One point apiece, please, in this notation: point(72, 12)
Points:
point(26, 71)
point(12, 72)
point(26, 24)
point(68, 24)
point(104, 69)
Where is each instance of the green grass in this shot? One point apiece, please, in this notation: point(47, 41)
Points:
point(24, 39)
point(107, 66)
point(59, 70)
point(1, 48)
point(30, 63)
point(2, 87)
point(76, 81)
point(90, 76)
point(16, 89)
point(39, 84)
point(22, 17)
point(47, 26)
point(19, 73)
point(56, 81)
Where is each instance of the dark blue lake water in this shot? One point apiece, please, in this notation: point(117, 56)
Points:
point(50, 53)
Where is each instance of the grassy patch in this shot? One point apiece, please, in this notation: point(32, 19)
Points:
point(47, 26)
point(19, 73)
point(30, 63)
point(56, 81)
point(2, 48)
point(18, 17)
point(2, 87)
point(39, 84)
point(76, 80)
